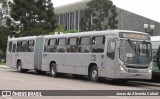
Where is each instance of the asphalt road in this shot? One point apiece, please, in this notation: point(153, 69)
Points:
point(12, 80)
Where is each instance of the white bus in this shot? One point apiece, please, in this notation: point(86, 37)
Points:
point(113, 54)
point(155, 40)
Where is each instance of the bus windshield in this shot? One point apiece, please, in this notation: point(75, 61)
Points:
point(135, 52)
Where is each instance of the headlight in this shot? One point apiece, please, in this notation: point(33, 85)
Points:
point(122, 68)
point(150, 70)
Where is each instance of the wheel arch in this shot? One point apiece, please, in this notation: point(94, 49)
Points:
point(90, 66)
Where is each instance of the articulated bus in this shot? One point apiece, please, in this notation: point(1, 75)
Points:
point(113, 54)
point(155, 40)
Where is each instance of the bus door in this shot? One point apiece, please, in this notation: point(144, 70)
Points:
point(13, 55)
point(111, 59)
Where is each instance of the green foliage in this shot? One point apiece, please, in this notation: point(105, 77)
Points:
point(4, 3)
point(95, 16)
point(61, 28)
point(32, 17)
point(4, 32)
point(1, 53)
point(71, 31)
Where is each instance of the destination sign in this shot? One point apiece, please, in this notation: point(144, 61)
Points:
point(134, 36)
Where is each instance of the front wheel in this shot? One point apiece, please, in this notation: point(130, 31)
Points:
point(93, 74)
point(53, 70)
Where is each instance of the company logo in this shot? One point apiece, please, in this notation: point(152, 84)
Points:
point(6, 93)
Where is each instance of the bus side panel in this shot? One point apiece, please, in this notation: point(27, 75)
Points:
point(38, 53)
point(8, 56)
point(30, 60)
point(77, 63)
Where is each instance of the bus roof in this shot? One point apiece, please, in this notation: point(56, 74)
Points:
point(109, 32)
point(105, 32)
point(22, 38)
point(155, 38)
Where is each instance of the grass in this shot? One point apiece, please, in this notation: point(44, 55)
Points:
point(2, 63)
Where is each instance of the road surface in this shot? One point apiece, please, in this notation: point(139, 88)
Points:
point(12, 80)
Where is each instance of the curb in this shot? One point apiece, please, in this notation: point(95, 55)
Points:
point(3, 66)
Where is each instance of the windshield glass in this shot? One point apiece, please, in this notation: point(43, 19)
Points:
point(135, 52)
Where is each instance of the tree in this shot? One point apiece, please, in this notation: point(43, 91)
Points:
point(3, 13)
point(61, 28)
point(4, 3)
point(99, 15)
point(4, 32)
point(32, 17)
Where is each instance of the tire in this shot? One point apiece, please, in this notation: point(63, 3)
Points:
point(53, 70)
point(93, 74)
point(19, 66)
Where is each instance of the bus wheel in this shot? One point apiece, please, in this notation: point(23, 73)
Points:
point(93, 74)
point(19, 66)
point(53, 70)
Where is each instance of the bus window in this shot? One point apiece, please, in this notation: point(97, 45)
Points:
point(98, 44)
point(46, 45)
point(10, 46)
point(30, 45)
point(85, 45)
point(24, 46)
point(19, 46)
point(14, 48)
point(111, 49)
point(61, 45)
point(52, 45)
point(72, 45)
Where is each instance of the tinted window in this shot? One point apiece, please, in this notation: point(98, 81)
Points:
point(98, 44)
point(111, 49)
point(52, 45)
point(24, 46)
point(14, 48)
point(61, 45)
point(10, 46)
point(46, 45)
point(19, 46)
point(72, 45)
point(30, 45)
point(85, 45)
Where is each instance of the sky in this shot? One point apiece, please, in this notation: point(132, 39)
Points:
point(147, 8)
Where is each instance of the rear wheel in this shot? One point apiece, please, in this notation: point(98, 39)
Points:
point(93, 74)
point(53, 70)
point(19, 66)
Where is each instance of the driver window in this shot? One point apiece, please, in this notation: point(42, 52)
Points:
point(111, 49)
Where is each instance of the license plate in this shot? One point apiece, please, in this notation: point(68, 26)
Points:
point(133, 71)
